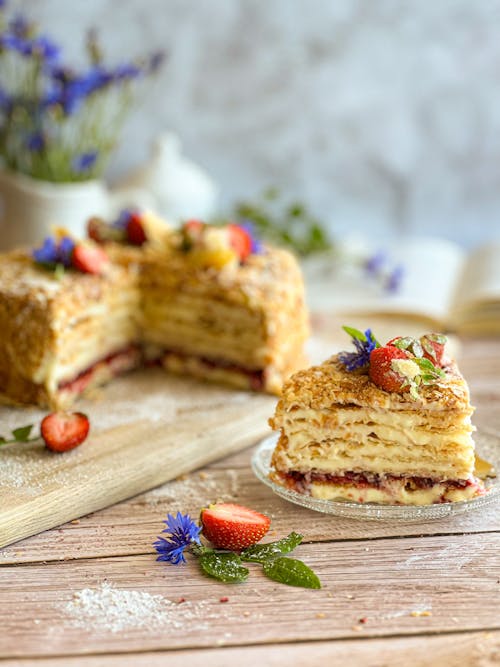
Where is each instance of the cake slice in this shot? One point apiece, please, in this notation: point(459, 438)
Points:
point(387, 425)
point(65, 330)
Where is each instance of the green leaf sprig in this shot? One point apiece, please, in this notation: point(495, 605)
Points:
point(429, 372)
point(286, 224)
point(227, 566)
point(21, 434)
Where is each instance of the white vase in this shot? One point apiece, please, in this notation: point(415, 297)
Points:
point(29, 208)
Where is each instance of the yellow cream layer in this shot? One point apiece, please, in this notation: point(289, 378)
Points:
point(395, 445)
point(394, 493)
point(104, 331)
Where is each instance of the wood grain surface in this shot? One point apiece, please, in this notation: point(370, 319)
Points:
point(419, 594)
point(120, 462)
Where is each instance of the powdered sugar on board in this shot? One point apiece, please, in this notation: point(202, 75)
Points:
point(150, 395)
point(110, 609)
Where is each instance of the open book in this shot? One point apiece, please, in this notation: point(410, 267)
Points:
point(442, 284)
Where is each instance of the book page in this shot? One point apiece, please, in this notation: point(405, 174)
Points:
point(431, 269)
point(476, 302)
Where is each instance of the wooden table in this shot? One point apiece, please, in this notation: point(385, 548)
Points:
point(392, 594)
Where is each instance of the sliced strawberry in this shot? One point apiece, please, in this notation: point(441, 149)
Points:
point(433, 346)
point(96, 230)
point(89, 258)
point(240, 241)
point(136, 234)
point(381, 371)
point(230, 526)
point(62, 431)
point(194, 226)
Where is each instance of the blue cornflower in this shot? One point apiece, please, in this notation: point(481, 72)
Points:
point(156, 61)
point(65, 251)
point(256, 247)
point(46, 49)
point(126, 71)
point(47, 253)
point(20, 27)
point(375, 263)
point(84, 162)
point(52, 252)
point(5, 100)
point(35, 142)
point(123, 218)
point(11, 42)
point(361, 357)
point(182, 531)
point(394, 280)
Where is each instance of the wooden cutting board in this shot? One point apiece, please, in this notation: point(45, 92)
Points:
point(146, 429)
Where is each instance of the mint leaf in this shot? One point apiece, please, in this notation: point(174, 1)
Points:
point(224, 567)
point(260, 553)
point(428, 367)
point(22, 433)
point(355, 333)
point(291, 572)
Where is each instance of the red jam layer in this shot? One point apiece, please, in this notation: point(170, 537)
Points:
point(255, 377)
point(301, 482)
point(115, 363)
point(131, 357)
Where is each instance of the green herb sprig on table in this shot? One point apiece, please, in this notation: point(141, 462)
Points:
point(286, 224)
point(21, 434)
point(183, 534)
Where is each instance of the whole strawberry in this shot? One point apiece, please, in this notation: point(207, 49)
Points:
point(381, 369)
point(230, 526)
point(62, 431)
point(136, 234)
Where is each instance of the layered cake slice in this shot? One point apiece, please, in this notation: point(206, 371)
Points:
point(387, 425)
point(69, 321)
point(220, 306)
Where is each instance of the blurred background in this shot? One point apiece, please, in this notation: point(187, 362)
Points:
point(383, 117)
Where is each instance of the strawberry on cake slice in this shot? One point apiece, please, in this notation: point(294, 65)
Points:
point(384, 424)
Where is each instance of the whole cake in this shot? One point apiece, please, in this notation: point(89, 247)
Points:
point(387, 425)
point(206, 301)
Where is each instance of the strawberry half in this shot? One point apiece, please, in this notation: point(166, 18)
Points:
point(240, 241)
point(433, 347)
point(89, 258)
point(381, 372)
point(230, 526)
point(96, 230)
point(136, 234)
point(63, 431)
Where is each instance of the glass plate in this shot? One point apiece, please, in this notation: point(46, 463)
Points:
point(488, 447)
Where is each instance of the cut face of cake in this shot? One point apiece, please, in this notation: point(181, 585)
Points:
point(61, 336)
point(203, 301)
point(343, 436)
point(208, 315)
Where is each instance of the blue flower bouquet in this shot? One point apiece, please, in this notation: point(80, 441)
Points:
point(58, 124)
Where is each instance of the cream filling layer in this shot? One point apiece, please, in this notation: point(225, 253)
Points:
point(394, 493)
point(104, 331)
point(393, 445)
